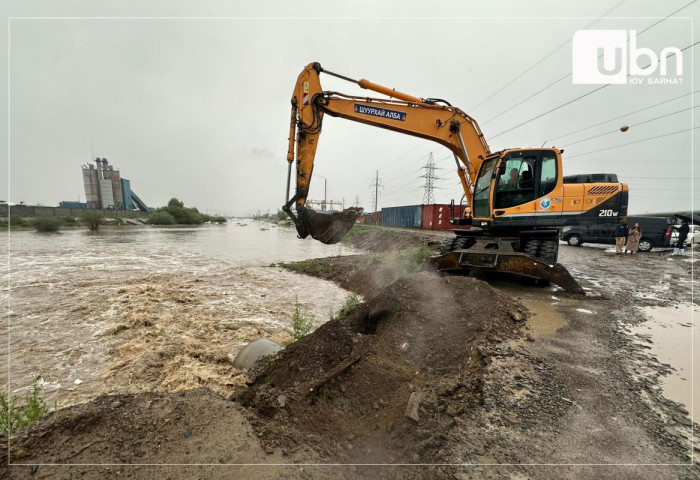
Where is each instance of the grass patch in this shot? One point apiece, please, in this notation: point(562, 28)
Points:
point(418, 255)
point(302, 321)
point(46, 224)
point(351, 303)
point(18, 222)
point(69, 221)
point(315, 268)
point(16, 412)
point(358, 231)
point(411, 259)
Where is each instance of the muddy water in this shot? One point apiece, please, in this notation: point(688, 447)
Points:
point(671, 334)
point(141, 308)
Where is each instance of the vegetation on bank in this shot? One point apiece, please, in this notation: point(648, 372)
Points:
point(351, 303)
point(46, 224)
point(93, 220)
point(175, 213)
point(302, 321)
point(280, 218)
point(90, 219)
point(18, 412)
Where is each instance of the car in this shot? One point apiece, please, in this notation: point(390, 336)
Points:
point(693, 235)
point(656, 233)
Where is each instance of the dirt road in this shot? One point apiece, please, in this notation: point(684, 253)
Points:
point(468, 379)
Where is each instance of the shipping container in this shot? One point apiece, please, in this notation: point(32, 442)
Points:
point(374, 218)
point(407, 216)
point(437, 216)
point(70, 204)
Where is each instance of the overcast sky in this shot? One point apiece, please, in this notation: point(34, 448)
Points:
point(198, 108)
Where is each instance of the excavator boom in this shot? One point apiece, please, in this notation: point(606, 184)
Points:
point(424, 118)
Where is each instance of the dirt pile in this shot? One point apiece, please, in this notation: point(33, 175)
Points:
point(167, 431)
point(367, 275)
point(383, 239)
point(385, 383)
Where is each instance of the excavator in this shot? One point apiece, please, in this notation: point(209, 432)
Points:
point(517, 200)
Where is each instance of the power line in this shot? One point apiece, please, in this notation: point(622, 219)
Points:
point(576, 99)
point(616, 118)
point(569, 74)
point(531, 67)
point(632, 143)
point(632, 125)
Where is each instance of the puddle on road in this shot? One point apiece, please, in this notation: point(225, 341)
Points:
point(544, 318)
point(673, 333)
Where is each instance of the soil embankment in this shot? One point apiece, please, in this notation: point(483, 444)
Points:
point(468, 379)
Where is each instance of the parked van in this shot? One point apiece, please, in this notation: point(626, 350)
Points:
point(656, 233)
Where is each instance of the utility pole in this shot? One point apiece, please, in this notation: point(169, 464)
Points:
point(357, 200)
point(428, 197)
point(376, 184)
point(325, 190)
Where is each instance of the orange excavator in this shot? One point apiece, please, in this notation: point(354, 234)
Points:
point(517, 199)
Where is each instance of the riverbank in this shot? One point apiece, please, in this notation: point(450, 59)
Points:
point(488, 373)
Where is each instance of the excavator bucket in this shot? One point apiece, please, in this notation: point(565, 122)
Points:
point(512, 262)
point(328, 227)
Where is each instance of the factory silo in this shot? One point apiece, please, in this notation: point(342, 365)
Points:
point(106, 193)
point(113, 175)
point(91, 184)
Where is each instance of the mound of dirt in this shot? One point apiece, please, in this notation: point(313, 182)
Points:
point(364, 274)
point(384, 384)
point(383, 239)
point(165, 431)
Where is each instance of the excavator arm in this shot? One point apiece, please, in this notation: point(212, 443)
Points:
point(431, 119)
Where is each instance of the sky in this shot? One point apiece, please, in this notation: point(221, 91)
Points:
point(192, 99)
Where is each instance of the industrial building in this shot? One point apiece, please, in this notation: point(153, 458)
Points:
point(105, 189)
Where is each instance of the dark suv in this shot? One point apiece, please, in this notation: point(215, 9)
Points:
point(656, 233)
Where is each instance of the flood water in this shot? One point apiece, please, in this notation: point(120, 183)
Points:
point(670, 334)
point(142, 308)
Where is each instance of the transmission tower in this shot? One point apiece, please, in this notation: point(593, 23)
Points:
point(376, 184)
point(428, 197)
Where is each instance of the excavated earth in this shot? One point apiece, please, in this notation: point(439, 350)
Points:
point(431, 376)
point(390, 382)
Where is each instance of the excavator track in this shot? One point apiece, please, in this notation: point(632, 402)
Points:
point(537, 260)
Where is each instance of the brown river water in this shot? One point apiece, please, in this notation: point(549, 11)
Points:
point(141, 308)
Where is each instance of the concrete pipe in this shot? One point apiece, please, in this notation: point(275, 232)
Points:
point(255, 350)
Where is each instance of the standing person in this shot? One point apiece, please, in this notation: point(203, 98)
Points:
point(635, 234)
point(682, 235)
point(621, 234)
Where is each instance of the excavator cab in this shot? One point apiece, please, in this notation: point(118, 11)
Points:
point(510, 184)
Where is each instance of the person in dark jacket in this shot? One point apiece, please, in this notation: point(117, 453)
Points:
point(682, 235)
point(621, 234)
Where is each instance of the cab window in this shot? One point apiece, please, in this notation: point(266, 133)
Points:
point(548, 175)
point(515, 183)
